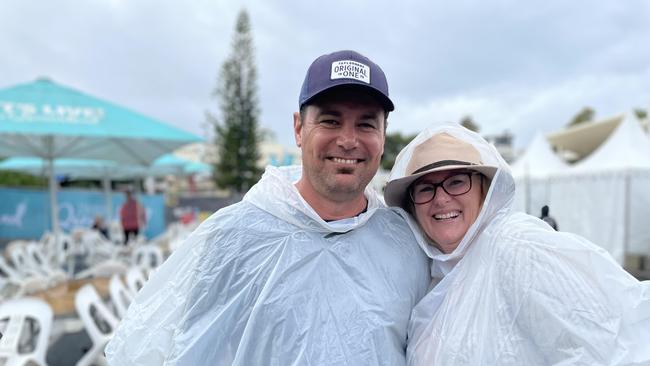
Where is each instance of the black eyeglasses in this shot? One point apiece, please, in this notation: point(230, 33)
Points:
point(453, 185)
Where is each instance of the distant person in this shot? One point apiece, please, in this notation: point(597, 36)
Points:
point(548, 219)
point(100, 226)
point(132, 216)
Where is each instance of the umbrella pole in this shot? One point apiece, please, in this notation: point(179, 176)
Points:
point(53, 204)
point(106, 183)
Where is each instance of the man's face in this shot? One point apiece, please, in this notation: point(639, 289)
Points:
point(342, 140)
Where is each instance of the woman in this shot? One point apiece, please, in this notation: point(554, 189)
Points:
point(507, 289)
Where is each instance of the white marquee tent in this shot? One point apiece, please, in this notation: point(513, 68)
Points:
point(539, 160)
point(605, 197)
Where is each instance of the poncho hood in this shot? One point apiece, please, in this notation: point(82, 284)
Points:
point(497, 203)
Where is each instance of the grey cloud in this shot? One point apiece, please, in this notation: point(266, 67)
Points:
point(512, 65)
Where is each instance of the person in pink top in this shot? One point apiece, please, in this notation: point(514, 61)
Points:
point(132, 216)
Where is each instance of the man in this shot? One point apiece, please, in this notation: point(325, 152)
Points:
point(310, 268)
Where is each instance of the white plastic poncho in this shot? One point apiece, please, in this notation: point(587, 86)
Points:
point(267, 282)
point(515, 292)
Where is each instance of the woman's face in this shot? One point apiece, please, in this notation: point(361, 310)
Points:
point(446, 218)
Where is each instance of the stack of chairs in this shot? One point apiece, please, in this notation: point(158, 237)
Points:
point(103, 258)
point(101, 318)
point(25, 268)
point(30, 266)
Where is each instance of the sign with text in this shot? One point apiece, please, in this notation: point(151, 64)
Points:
point(29, 112)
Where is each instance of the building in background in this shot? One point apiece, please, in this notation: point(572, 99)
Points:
point(271, 153)
point(577, 142)
point(503, 144)
point(275, 154)
point(198, 195)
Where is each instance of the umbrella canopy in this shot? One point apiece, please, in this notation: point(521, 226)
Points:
point(167, 164)
point(50, 121)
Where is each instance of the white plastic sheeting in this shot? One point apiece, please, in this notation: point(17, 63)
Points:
point(592, 206)
point(515, 292)
point(532, 194)
point(268, 282)
point(605, 197)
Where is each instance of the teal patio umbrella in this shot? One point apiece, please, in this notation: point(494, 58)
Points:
point(50, 121)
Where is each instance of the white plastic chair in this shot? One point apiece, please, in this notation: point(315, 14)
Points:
point(97, 247)
point(99, 322)
point(121, 296)
point(9, 273)
point(61, 251)
point(116, 233)
point(26, 284)
point(10, 282)
point(49, 243)
point(104, 269)
point(37, 257)
point(135, 279)
point(25, 337)
point(17, 251)
point(147, 257)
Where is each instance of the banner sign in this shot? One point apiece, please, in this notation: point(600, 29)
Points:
point(25, 213)
point(28, 112)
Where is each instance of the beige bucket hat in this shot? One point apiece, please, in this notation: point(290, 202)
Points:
point(440, 152)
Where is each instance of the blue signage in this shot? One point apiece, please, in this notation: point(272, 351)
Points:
point(25, 213)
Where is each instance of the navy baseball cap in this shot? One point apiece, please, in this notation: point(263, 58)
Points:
point(345, 68)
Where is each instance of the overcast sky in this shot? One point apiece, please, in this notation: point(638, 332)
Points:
point(520, 66)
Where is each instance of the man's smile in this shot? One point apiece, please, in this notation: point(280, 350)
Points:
point(344, 160)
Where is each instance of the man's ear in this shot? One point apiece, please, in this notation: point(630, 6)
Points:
point(297, 128)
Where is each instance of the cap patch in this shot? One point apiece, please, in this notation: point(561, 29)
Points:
point(348, 69)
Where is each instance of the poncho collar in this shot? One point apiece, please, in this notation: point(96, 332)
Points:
point(276, 194)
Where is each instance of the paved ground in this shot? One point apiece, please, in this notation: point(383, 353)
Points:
point(68, 349)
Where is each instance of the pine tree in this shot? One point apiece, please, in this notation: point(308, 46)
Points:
point(468, 123)
point(394, 143)
point(236, 134)
point(586, 114)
